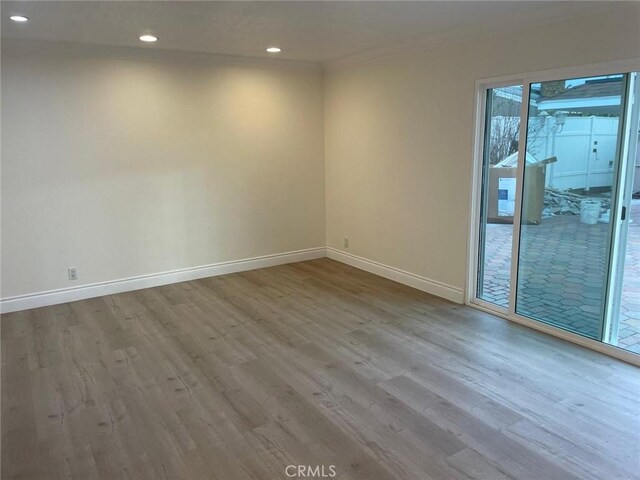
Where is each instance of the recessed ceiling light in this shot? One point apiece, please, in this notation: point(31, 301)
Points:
point(274, 50)
point(18, 18)
point(148, 38)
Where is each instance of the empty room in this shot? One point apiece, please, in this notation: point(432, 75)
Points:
point(320, 239)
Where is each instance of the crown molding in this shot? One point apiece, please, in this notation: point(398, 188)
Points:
point(13, 46)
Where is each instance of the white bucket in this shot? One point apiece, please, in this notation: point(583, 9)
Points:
point(589, 211)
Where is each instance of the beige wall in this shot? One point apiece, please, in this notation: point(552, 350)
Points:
point(123, 168)
point(398, 138)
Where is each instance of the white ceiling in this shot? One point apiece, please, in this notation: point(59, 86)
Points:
point(316, 31)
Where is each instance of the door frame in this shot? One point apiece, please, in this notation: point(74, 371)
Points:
point(526, 79)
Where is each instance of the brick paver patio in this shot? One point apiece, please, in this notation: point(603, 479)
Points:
point(561, 272)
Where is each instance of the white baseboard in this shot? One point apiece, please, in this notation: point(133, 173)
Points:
point(64, 295)
point(434, 287)
point(54, 297)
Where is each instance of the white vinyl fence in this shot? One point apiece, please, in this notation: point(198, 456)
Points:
point(585, 149)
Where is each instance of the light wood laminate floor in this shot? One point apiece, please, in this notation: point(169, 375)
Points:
point(314, 363)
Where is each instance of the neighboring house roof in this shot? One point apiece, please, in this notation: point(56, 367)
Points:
point(510, 93)
point(513, 94)
point(598, 96)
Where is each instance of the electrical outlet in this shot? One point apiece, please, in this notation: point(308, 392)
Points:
point(346, 242)
point(73, 273)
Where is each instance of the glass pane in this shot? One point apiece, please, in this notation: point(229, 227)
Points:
point(573, 137)
point(502, 130)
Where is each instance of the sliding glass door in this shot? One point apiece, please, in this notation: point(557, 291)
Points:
point(549, 231)
point(623, 313)
point(499, 159)
point(573, 144)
